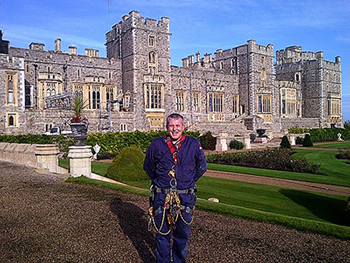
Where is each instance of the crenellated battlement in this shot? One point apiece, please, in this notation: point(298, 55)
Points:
point(134, 20)
point(295, 54)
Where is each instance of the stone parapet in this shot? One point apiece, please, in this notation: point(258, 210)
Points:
point(43, 156)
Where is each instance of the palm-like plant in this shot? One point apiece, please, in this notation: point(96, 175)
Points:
point(78, 105)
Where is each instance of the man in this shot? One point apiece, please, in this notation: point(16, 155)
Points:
point(174, 163)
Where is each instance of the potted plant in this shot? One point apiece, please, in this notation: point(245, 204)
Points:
point(79, 124)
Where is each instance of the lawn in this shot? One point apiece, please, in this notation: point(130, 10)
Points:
point(333, 171)
point(334, 145)
point(303, 210)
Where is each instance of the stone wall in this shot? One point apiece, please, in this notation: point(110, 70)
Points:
point(42, 156)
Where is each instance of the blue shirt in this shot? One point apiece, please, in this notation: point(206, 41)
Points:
point(159, 161)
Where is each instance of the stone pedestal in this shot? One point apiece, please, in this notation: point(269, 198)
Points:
point(47, 156)
point(80, 160)
point(221, 144)
point(246, 142)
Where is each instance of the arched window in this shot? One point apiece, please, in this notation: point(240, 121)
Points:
point(11, 121)
point(152, 57)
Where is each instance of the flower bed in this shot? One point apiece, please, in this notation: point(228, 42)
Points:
point(276, 159)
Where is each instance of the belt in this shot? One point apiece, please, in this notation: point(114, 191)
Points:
point(183, 208)
point(178, 191)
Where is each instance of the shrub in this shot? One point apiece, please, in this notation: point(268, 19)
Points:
point(343, 154)
point(236, 145)
point(208, 141)
point(128, 165)
point(307, 141)
point(299, 140)
point(276, 159)
point(285, 142)
point(347, 211)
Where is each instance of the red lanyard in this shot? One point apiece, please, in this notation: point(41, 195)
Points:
point(172, 147)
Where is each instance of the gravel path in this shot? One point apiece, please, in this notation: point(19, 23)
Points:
point(45, 219)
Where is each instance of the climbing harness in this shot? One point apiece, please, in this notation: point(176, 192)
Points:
point(172, 200)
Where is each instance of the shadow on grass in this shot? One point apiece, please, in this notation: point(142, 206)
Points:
point(326, 208)
point(133, 221)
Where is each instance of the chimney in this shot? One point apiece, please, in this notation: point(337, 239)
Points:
point(58, 45)
point(72, 50)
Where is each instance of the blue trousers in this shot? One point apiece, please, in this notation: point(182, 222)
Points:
point(180, 234)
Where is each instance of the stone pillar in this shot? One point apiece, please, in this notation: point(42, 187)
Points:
point(47, 156)
point(80, 160)
point(246, 142)
point(221, 144)
point(292, 139)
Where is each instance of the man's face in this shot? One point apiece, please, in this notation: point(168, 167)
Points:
point(175, 129)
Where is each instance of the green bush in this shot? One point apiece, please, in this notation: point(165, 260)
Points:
point(128, 165)
point(298, 130)
point(275, 159)
point(285, 142)
point(299, 140)
point(307, 141)
point(236, 145)
point(347, 211)
point(208, 141)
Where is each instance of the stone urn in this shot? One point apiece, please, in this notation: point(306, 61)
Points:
point(79, 131)
point(261, 132)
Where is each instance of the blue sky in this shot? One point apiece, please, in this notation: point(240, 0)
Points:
point(196, 25)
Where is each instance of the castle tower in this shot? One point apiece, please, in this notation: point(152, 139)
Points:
point(320, 83)
point(143, 45)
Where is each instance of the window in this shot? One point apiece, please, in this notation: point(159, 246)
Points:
point(334, 106)
point(154, 96)
point(123, 127)
point(151, 41)
point(152, 63)
point(180, 101)
point(109, 96)
point(94, 98)
point(11, 119)
point(235, 101)
point(28, 97)
point(297, 77)
point(289, 102)
point(196, 102)
point(79, 73)
point(263, 77)
point(10, 89)
point(221, 65)
point(126, 101)
point(264, 103)
point(215, 102)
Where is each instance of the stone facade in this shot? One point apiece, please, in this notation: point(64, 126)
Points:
point(135, 86)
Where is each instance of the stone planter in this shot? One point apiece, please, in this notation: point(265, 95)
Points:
point(79, 131)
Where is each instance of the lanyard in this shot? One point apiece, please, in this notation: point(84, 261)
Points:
point(172, 148)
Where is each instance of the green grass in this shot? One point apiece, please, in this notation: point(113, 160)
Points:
point(333, 171)
point(337, 171)
point(307, 211)
point(334, 145)
point(277, 200)
point(325, 212)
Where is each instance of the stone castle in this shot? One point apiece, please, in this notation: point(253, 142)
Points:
point(236, 90)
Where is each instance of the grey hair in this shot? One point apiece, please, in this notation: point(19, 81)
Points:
point(175, 116)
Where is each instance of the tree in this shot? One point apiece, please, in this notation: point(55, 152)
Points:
point(285, 142)
point(307, 141)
